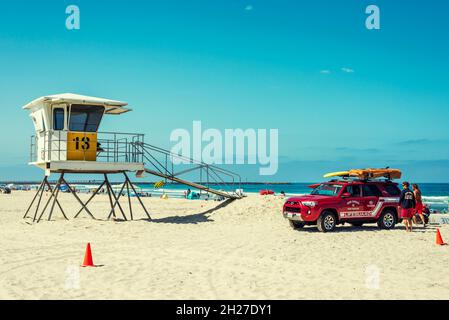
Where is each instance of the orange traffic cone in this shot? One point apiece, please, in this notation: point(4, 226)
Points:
point(439, 239)
point(88, 261)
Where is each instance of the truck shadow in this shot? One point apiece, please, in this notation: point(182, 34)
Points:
point(369, 228)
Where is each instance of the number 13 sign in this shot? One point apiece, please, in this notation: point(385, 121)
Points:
point(82, 146)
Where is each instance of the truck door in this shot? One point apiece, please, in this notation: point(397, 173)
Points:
point(371, 194)
point(353, 204)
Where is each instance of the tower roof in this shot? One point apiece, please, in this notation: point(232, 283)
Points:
point(111, 106)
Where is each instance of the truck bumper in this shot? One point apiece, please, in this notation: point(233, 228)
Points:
point(293, 216)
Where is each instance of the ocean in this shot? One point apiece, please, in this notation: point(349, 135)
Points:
point(434, 194)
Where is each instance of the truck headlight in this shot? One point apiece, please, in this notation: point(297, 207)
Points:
point(310, 204)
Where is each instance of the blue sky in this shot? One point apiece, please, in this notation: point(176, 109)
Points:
point(243, 64)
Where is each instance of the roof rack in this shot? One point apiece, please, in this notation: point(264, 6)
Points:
point(356, 179)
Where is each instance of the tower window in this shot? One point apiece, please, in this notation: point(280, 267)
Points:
point(58, 119)
point(84, 118)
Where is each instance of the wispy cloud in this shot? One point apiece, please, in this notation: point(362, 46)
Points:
point(347, 70)
point(414, 142)
point(347, 149)
point(249, 8)
point(423, 142)
point(344, 69)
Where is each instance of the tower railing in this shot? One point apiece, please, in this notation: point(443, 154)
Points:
point(131, 148)
point(110, 147)
point(176, 167)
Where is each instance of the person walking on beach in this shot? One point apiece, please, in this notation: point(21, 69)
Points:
point(407, 202)
point(419, 205)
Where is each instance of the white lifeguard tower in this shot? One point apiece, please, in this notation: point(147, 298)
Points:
point(67, 140)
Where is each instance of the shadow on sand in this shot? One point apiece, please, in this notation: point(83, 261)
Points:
point(193, 218)
point(366, 228)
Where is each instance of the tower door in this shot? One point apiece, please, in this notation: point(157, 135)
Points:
point(57, 138)
point(41, 149)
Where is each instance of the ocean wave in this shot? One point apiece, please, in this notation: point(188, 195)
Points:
point(435, 199)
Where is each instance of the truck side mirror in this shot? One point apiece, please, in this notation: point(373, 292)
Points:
point(346, 195)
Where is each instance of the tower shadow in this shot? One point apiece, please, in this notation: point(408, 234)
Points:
point(193, 218)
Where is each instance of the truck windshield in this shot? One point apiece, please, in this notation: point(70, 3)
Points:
point(327, 190)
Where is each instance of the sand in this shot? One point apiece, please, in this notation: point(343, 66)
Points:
point(245, 250)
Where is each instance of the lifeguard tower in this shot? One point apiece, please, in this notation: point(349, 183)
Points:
point(67, 141)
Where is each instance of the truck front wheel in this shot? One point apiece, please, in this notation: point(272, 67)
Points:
point(327, 221)
point(387, 220)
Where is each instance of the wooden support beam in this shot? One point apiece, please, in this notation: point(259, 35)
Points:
point(87, 202)
point(109, 194)
point(117, 201)
point(34, 198)
point(39, 202)
point(129, 199)
point(57, 201)
point(114, 200)
point(137, 196)
point(77, 198)
point(52, 194)
point(56, 197)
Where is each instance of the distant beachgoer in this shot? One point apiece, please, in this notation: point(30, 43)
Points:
point(282, 194)
point(419, 205)
point(408, 203)
point(426, 209)
point(188, 192)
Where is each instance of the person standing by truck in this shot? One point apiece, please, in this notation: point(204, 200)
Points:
point(407, 202)
point(419, 205)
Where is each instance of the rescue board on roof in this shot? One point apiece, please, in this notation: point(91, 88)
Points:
point(367, 173)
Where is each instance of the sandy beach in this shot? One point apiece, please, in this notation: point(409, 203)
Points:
point(245, 250)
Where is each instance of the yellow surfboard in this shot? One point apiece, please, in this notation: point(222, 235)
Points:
point(336, 174)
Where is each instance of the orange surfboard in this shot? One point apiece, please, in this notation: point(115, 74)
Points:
point(376, 173)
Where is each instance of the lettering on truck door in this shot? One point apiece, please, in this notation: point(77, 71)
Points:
point(353, 205)
point(371, 194)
